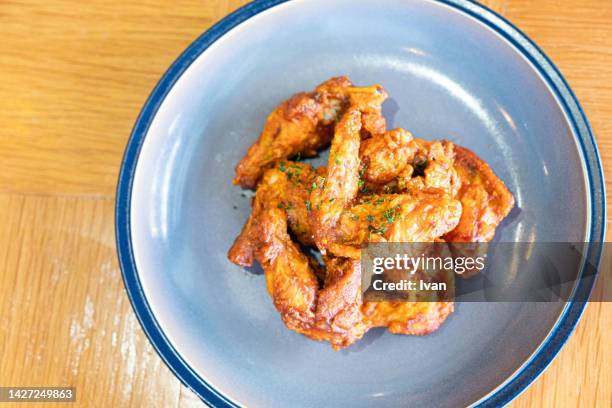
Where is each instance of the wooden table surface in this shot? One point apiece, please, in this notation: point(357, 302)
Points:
point(74, 77)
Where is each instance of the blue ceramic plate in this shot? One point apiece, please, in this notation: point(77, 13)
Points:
point(454, 70)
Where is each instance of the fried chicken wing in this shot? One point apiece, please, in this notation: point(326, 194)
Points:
point(398, 163)
point(290, 279)
point(296, 186)
point(302, 124)
point(243, 250)
point(418, 217)
point(369, 101)
point(288, 184)
point(421, 219)
point(431, 168)
point(486, 200)
point(338, 317)
point(378, 186)
point(331, 312)
point(338, 188)
point(386, 155)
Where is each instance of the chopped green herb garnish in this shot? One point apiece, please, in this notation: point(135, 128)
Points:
point(281, 166)
point(308, 205)
point(361, 182)
point(370, 218)
point(390, 215)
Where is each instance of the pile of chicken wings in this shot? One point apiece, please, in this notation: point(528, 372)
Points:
point(379, 185)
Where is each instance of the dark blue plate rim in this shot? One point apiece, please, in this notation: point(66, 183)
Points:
point(567, 321)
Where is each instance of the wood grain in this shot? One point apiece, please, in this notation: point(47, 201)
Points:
point(65, 320)
point(74, 76)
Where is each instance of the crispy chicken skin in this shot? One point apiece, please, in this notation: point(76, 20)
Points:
point(397, 163)
point(369, 101)
point(386, 155)
point(334, 192)
point(486, 200)
point(289, 184)
point(421, 312)
point(378, 186)
point(331, 312)
point(418, 217)
point(290, 280)
point(431, 168)
point(296, 183)
point(243, 250)
point(338, 317)
point(338, 189)
point(302, 124)
point(415, 318)
point(422, 218)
